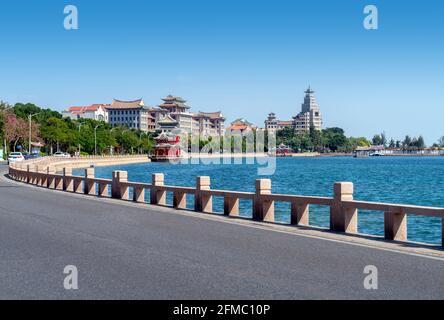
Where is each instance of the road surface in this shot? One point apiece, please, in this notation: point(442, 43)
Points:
point(127, 251)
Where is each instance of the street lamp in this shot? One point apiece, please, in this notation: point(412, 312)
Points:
point(140, 141)
point(29, 118)
point(111, 148)
point(80, 125)
point(123, 131)
point(95, 139)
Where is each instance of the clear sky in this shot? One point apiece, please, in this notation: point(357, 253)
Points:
point(244, 57)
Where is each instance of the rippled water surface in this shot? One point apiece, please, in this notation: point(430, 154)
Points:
point(409, 180)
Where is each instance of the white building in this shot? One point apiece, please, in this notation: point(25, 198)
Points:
point(174, 113)
point(310, 116)
point(208, 124)
point(97, 112)
point(131, 114)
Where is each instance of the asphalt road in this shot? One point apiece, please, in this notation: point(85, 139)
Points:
point(123, 251)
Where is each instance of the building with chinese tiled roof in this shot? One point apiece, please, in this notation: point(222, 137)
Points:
point(133, 114)
point(97, 112)
point(309, 117)
point(176, 108)
point(241, 125)
point(208, 123)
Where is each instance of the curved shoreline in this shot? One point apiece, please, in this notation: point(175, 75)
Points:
point(86, 162)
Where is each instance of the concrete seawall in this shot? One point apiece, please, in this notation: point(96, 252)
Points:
point(86, 162)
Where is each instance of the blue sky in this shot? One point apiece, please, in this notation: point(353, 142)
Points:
point(243, 57)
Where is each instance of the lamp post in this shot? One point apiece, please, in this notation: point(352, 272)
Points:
point(121, 151)
point(95, 139)
point(111, 148)
point(140, 140)
point(30, 130)
point(80, 125)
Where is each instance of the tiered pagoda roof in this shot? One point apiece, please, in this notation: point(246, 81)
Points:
point(167, 120)
point(173, 102)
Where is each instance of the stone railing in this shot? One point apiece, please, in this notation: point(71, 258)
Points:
point(343, 209)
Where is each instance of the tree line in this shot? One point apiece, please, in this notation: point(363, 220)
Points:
point(58, 133)
point(409, 143)
point(326, 140)
point(335, 140)
point(87, 136)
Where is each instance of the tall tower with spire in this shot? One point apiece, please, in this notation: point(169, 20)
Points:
point(310, 115)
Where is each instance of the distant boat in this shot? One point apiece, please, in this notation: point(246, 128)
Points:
point(372, 151)
point(376, 154)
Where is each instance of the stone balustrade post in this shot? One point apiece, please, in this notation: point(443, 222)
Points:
point(50, 179)
point(263, 210)
point(231, 205)
point(343, 219)
point(43, 181)
point(90, 185)
point(299, 214)
point(203, 202)
point(157, 196)
point(23, 173)
point(11, 171)
point(68, 184)
point(30, 173)
point(103, 189)
point(139, 194)
point(117, 190)
point(78, 185)
point(19, 172)
point(58, 182)
point(36, 178)
point(179, 200)
point(395, 225)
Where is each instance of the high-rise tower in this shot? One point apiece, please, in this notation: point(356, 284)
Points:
point(310, 115)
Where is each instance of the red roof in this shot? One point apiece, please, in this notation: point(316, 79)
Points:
point(82, 109)
point(238, 127)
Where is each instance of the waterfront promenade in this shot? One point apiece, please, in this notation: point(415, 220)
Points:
point(130, 250)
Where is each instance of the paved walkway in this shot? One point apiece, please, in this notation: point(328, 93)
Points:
point(126, 250)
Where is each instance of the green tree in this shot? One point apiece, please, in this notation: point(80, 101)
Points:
point(56, 133)
point(392, 143)
point(316, 139)
point(406, 144)
point(335, 138)
point(42, 115)
point(377, 140)
point(420, 143)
